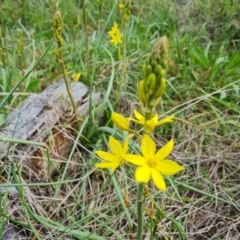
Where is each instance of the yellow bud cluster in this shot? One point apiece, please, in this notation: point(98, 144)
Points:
point(57, 27)
point(151, 88)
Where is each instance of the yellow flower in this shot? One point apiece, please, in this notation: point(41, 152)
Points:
point(120, 121)
point(153, 164)
point(76, 76)
point(149, 125)
point(115, 159)
point(121, 6)
point(115, 35)
point(114, 30)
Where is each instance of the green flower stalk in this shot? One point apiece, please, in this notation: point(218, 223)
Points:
point(150, 92)
point(57, 28)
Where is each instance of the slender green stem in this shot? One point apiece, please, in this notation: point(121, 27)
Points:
point(140, 211)
point(148, 116)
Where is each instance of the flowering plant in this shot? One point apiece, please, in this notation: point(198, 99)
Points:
point(150, 164)
point(116, 36)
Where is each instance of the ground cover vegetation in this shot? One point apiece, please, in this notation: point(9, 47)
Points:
point(158, 156)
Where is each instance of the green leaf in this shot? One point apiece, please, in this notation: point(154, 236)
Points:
point(33, 86)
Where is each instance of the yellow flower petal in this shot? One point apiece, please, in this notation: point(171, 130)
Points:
point(164, 151)
point(114, 29)
point(106, 156)
point(165, 120)
point(135, 159)
point(112, 165)
point(139, 117)
point(134, 120)
point(115, 146)
point(76, 76)
point(148, 147)
point(155, 118)
point(115, 41)
point(111, 34)
point(120, 121)
point(158, 180)
point(169, 167)
point(142, 174)
point(121, 6)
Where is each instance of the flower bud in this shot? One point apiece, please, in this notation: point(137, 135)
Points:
point(148, 70)
point(160, 90)
point(120, 121)
point(158, 70)
point(141, 92)
point(151, 82)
